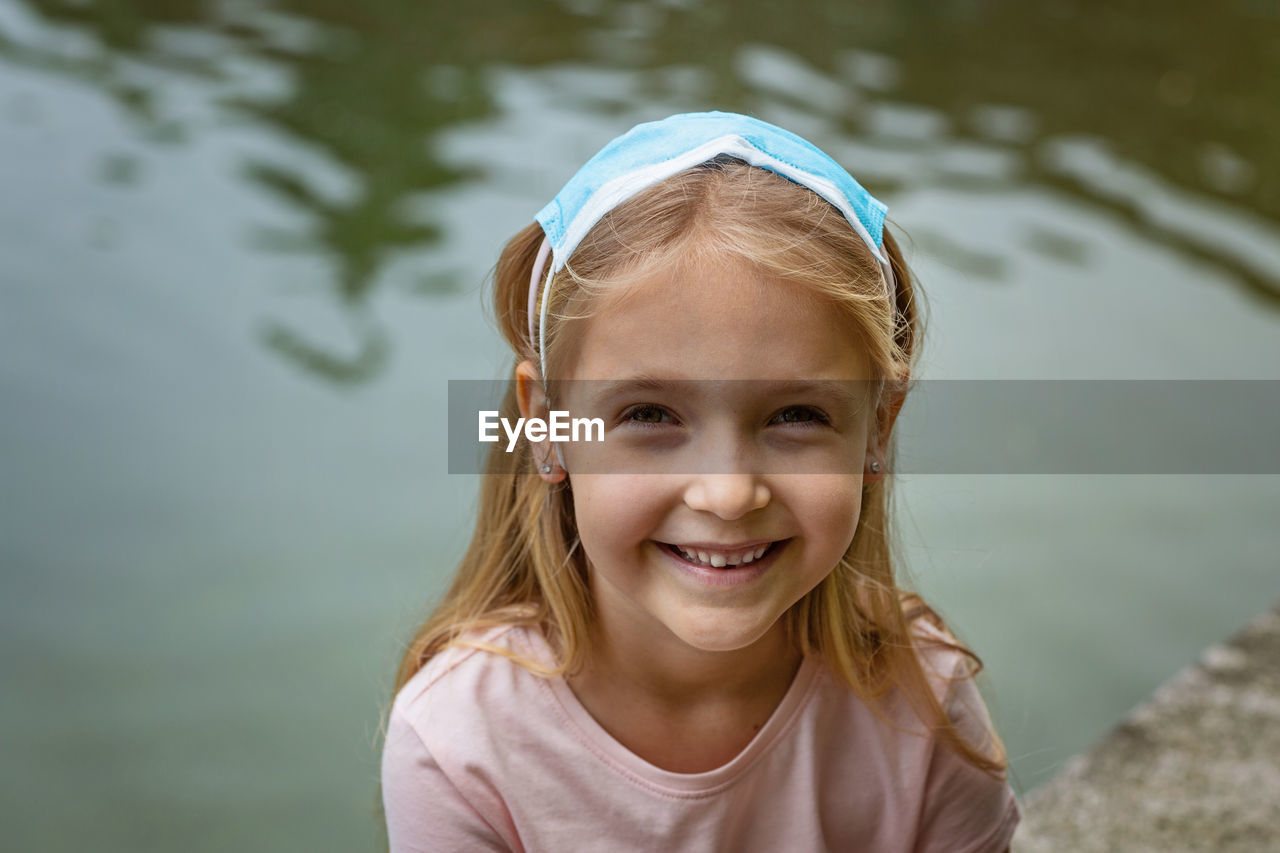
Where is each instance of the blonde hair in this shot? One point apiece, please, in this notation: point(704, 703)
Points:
point(524, 565)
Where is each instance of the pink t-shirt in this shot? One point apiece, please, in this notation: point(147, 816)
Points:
point(481, 754)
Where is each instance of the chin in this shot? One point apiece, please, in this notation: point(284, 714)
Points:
point(724, 637)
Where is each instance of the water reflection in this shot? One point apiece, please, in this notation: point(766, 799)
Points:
point(956, 94)
point(363, 89)
point(198, 539)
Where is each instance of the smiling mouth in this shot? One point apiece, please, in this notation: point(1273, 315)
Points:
point(717, 558)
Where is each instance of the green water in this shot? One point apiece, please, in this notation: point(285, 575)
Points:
point(242, 248)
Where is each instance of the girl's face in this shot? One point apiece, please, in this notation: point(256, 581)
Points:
point(737, 416)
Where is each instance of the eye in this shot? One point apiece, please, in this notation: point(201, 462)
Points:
point(804, 415)
point(647, 414)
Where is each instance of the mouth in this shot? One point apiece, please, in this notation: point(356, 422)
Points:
point(723, 557)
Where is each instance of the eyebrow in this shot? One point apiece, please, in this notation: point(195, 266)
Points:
point(612, 387)
point(849, 394)
point(845, 393)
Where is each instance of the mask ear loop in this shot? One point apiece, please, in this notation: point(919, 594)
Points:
point(891, 292)
point(890, 284)
point(535, 339)
point(538, 265)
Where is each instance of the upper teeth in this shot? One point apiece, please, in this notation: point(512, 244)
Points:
point(720, 559)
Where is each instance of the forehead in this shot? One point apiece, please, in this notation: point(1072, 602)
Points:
point(716, 318)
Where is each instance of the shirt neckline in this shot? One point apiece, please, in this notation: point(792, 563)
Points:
point(606, 747)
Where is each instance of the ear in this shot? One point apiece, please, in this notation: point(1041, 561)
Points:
point(878, 436)
point(533, 404)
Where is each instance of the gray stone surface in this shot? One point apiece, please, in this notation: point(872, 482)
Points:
point(1196, 767)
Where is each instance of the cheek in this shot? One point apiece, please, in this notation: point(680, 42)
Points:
point(835, 503)
point(614, 511)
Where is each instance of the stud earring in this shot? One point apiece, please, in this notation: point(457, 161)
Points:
point(875, 467)
point(546, 469)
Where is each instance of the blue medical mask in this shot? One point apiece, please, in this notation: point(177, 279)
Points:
point(652, 152)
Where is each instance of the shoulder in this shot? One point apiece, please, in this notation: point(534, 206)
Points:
point(897, 722)
point(952, 673)
point(482, 671)
point(448, 730)
point(424, 808)
point(965, 808)
point(937, 646)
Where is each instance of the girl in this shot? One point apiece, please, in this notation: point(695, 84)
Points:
point(688, 635)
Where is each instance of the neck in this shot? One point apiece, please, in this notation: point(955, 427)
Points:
point(680, 707)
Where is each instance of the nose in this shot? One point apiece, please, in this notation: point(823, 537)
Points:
point(728, 496)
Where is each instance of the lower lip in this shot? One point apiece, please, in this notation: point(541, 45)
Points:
point(729, 575)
